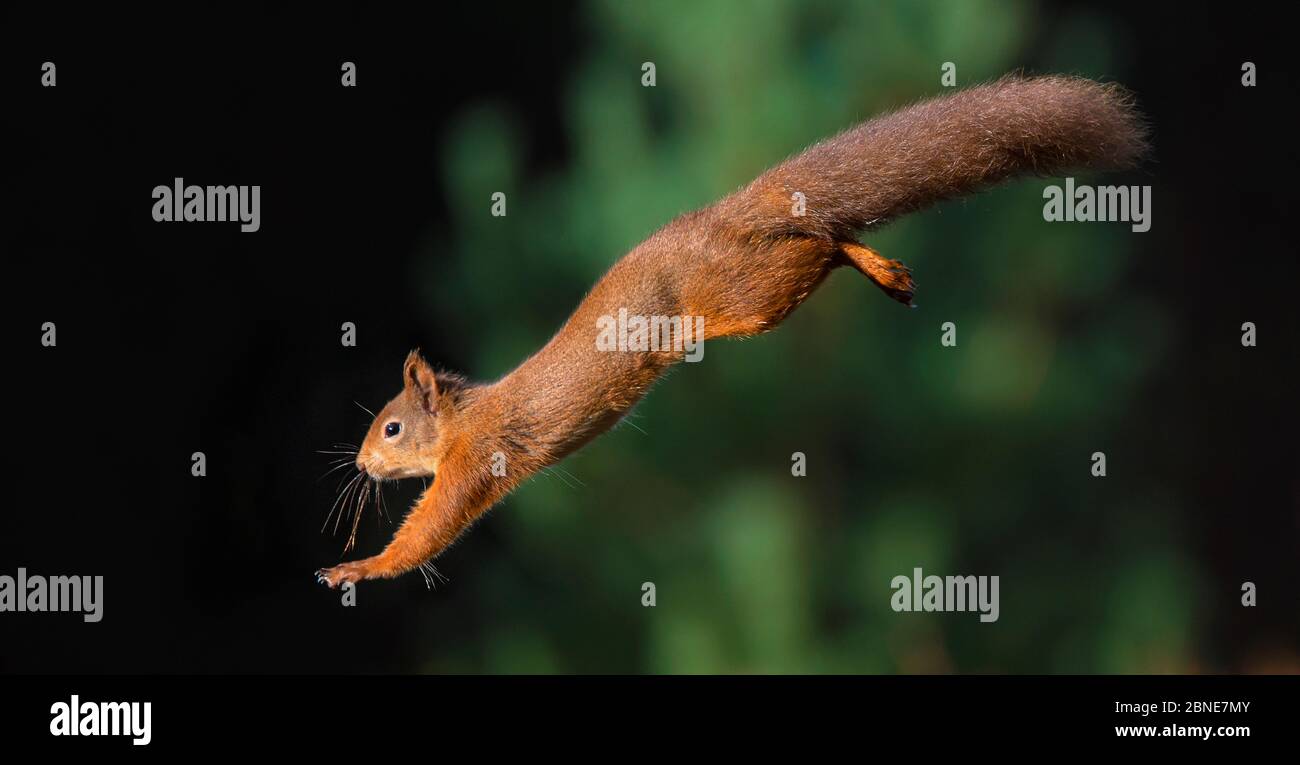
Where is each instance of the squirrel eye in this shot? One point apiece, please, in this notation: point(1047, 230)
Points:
point(392, 429)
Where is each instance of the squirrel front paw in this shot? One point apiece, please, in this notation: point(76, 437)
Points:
point(343, 573)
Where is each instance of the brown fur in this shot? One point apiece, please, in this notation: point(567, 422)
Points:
point(743, 264)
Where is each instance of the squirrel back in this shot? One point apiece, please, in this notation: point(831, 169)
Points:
point(743, 264)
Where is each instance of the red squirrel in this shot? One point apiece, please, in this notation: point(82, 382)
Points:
point(743, 264)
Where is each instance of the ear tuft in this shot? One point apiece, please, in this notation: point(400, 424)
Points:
point(418, 377)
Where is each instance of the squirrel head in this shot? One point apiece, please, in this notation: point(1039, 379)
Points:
point(406, 437)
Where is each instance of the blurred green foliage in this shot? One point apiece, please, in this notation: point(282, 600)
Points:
point(966, 460)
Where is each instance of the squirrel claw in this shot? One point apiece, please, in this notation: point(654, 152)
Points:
point(344, 573)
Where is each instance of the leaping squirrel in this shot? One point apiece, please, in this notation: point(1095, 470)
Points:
point(743, 264)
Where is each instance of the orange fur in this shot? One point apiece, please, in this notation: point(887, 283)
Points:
point(743, 265)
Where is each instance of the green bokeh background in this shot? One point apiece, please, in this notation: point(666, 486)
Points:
point(966, 460)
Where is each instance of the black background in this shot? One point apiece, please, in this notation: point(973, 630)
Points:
point(181, 338)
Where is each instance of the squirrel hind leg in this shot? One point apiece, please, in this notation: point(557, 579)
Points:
point(891, 276)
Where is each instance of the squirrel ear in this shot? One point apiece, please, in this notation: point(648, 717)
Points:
point(419, 379)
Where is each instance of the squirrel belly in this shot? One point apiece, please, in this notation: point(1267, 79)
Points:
point(742, 265)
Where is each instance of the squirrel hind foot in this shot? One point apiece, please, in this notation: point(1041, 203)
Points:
point(891, 276)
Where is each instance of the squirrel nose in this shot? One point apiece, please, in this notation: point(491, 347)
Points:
point(361, 463)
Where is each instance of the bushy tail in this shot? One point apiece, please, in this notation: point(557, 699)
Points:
point(943, 148)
